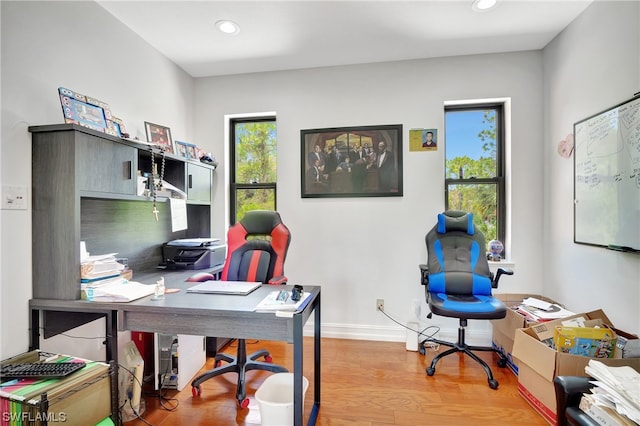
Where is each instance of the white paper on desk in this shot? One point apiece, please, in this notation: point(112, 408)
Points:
point(271, 304)
point(122, 291)
point(178, 214)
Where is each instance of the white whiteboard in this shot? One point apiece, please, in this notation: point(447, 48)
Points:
point(607, 177)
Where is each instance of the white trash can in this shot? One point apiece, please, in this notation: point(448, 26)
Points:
point(275, 399)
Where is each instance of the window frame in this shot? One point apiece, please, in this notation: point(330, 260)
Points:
point(500, 180)
point(234, 187)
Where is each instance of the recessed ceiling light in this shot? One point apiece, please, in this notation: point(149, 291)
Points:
point(228, 27)
point(483, 5)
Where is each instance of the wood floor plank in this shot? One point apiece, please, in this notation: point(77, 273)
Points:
point(363, 383)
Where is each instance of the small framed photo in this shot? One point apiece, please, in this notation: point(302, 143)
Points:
point(423, 140)
point(118, 126)
point(186, 150)
point(85, 111)
point(160, 135)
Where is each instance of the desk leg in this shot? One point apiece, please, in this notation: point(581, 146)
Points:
point(316, 365)
point(35, 330)
point(111, 333)
point(298, 343)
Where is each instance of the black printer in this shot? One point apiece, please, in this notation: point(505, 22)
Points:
point(193, 253)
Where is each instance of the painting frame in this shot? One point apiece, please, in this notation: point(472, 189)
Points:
point(160, 136)
point(355, 161)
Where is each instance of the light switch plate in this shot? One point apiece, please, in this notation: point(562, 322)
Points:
point(14, 197)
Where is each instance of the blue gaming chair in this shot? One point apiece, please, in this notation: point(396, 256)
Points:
point(458, 283)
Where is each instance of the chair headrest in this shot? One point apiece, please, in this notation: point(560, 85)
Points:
point(261, 221)
point(454, 220)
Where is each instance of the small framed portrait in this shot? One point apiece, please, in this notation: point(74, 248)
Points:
point(363, 161)
point(185, 150)
point(423, 139)
point(160, 135)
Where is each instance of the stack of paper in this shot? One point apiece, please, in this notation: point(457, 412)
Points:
point(96, 268)
point(538, 310)
point(119, 290)
point(616, 394)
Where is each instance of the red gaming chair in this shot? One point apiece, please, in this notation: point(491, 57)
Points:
point(257, 247)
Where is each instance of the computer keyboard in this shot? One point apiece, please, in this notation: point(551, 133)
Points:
point(40, 370)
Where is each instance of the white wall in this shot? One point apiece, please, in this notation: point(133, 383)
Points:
point(362, 249)
point(593, 65)
point(358, 249)
point(80, 46)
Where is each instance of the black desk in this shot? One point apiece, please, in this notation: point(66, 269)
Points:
point(202, 315)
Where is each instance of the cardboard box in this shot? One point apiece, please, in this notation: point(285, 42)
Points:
point(539, 363)
point(504, 329)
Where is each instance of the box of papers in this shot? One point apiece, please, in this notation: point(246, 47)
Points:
point(539, 361)
point(504, 329)
point(79, 399)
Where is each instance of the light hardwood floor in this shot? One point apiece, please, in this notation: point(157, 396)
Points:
point(364, 383)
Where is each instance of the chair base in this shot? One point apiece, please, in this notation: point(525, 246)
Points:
point(240, 364)
point(461, 346)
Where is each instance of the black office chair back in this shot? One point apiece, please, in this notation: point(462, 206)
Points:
point(457, 260)
point(257, 247)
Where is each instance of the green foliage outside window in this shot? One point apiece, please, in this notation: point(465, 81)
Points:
point(255, 166)
point(481, 197)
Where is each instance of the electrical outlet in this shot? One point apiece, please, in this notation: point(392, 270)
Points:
point(380, 304)
point(14, 197)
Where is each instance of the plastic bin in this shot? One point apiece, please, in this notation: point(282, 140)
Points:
point(275, 399)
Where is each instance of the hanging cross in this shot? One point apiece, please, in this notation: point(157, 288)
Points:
point(155, 212)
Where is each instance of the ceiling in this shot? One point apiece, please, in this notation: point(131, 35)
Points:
point(284, 35)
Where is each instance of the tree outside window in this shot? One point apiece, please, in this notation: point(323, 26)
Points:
point(474, 168)
point(254, 166)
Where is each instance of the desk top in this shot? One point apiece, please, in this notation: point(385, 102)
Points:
point(194, 313)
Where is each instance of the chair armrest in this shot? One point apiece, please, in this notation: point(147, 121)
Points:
point(279, 280)
point(569, 390)
point(501, 271)
point(424, 273)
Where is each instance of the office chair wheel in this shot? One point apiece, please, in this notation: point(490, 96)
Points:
point(431, 371)
point(196, 390)
point(502, 362)
point(493, 384)
point(217, 364)
point(244, 403)
point(268, 358)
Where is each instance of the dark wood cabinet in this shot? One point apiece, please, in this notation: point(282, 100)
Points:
point(84, 188)
point(105, 167)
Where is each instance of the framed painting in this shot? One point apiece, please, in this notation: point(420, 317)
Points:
point(159, 135)
point(364, 161)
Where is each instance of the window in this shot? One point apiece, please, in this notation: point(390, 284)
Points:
point(475, 165)
point(253, 165)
